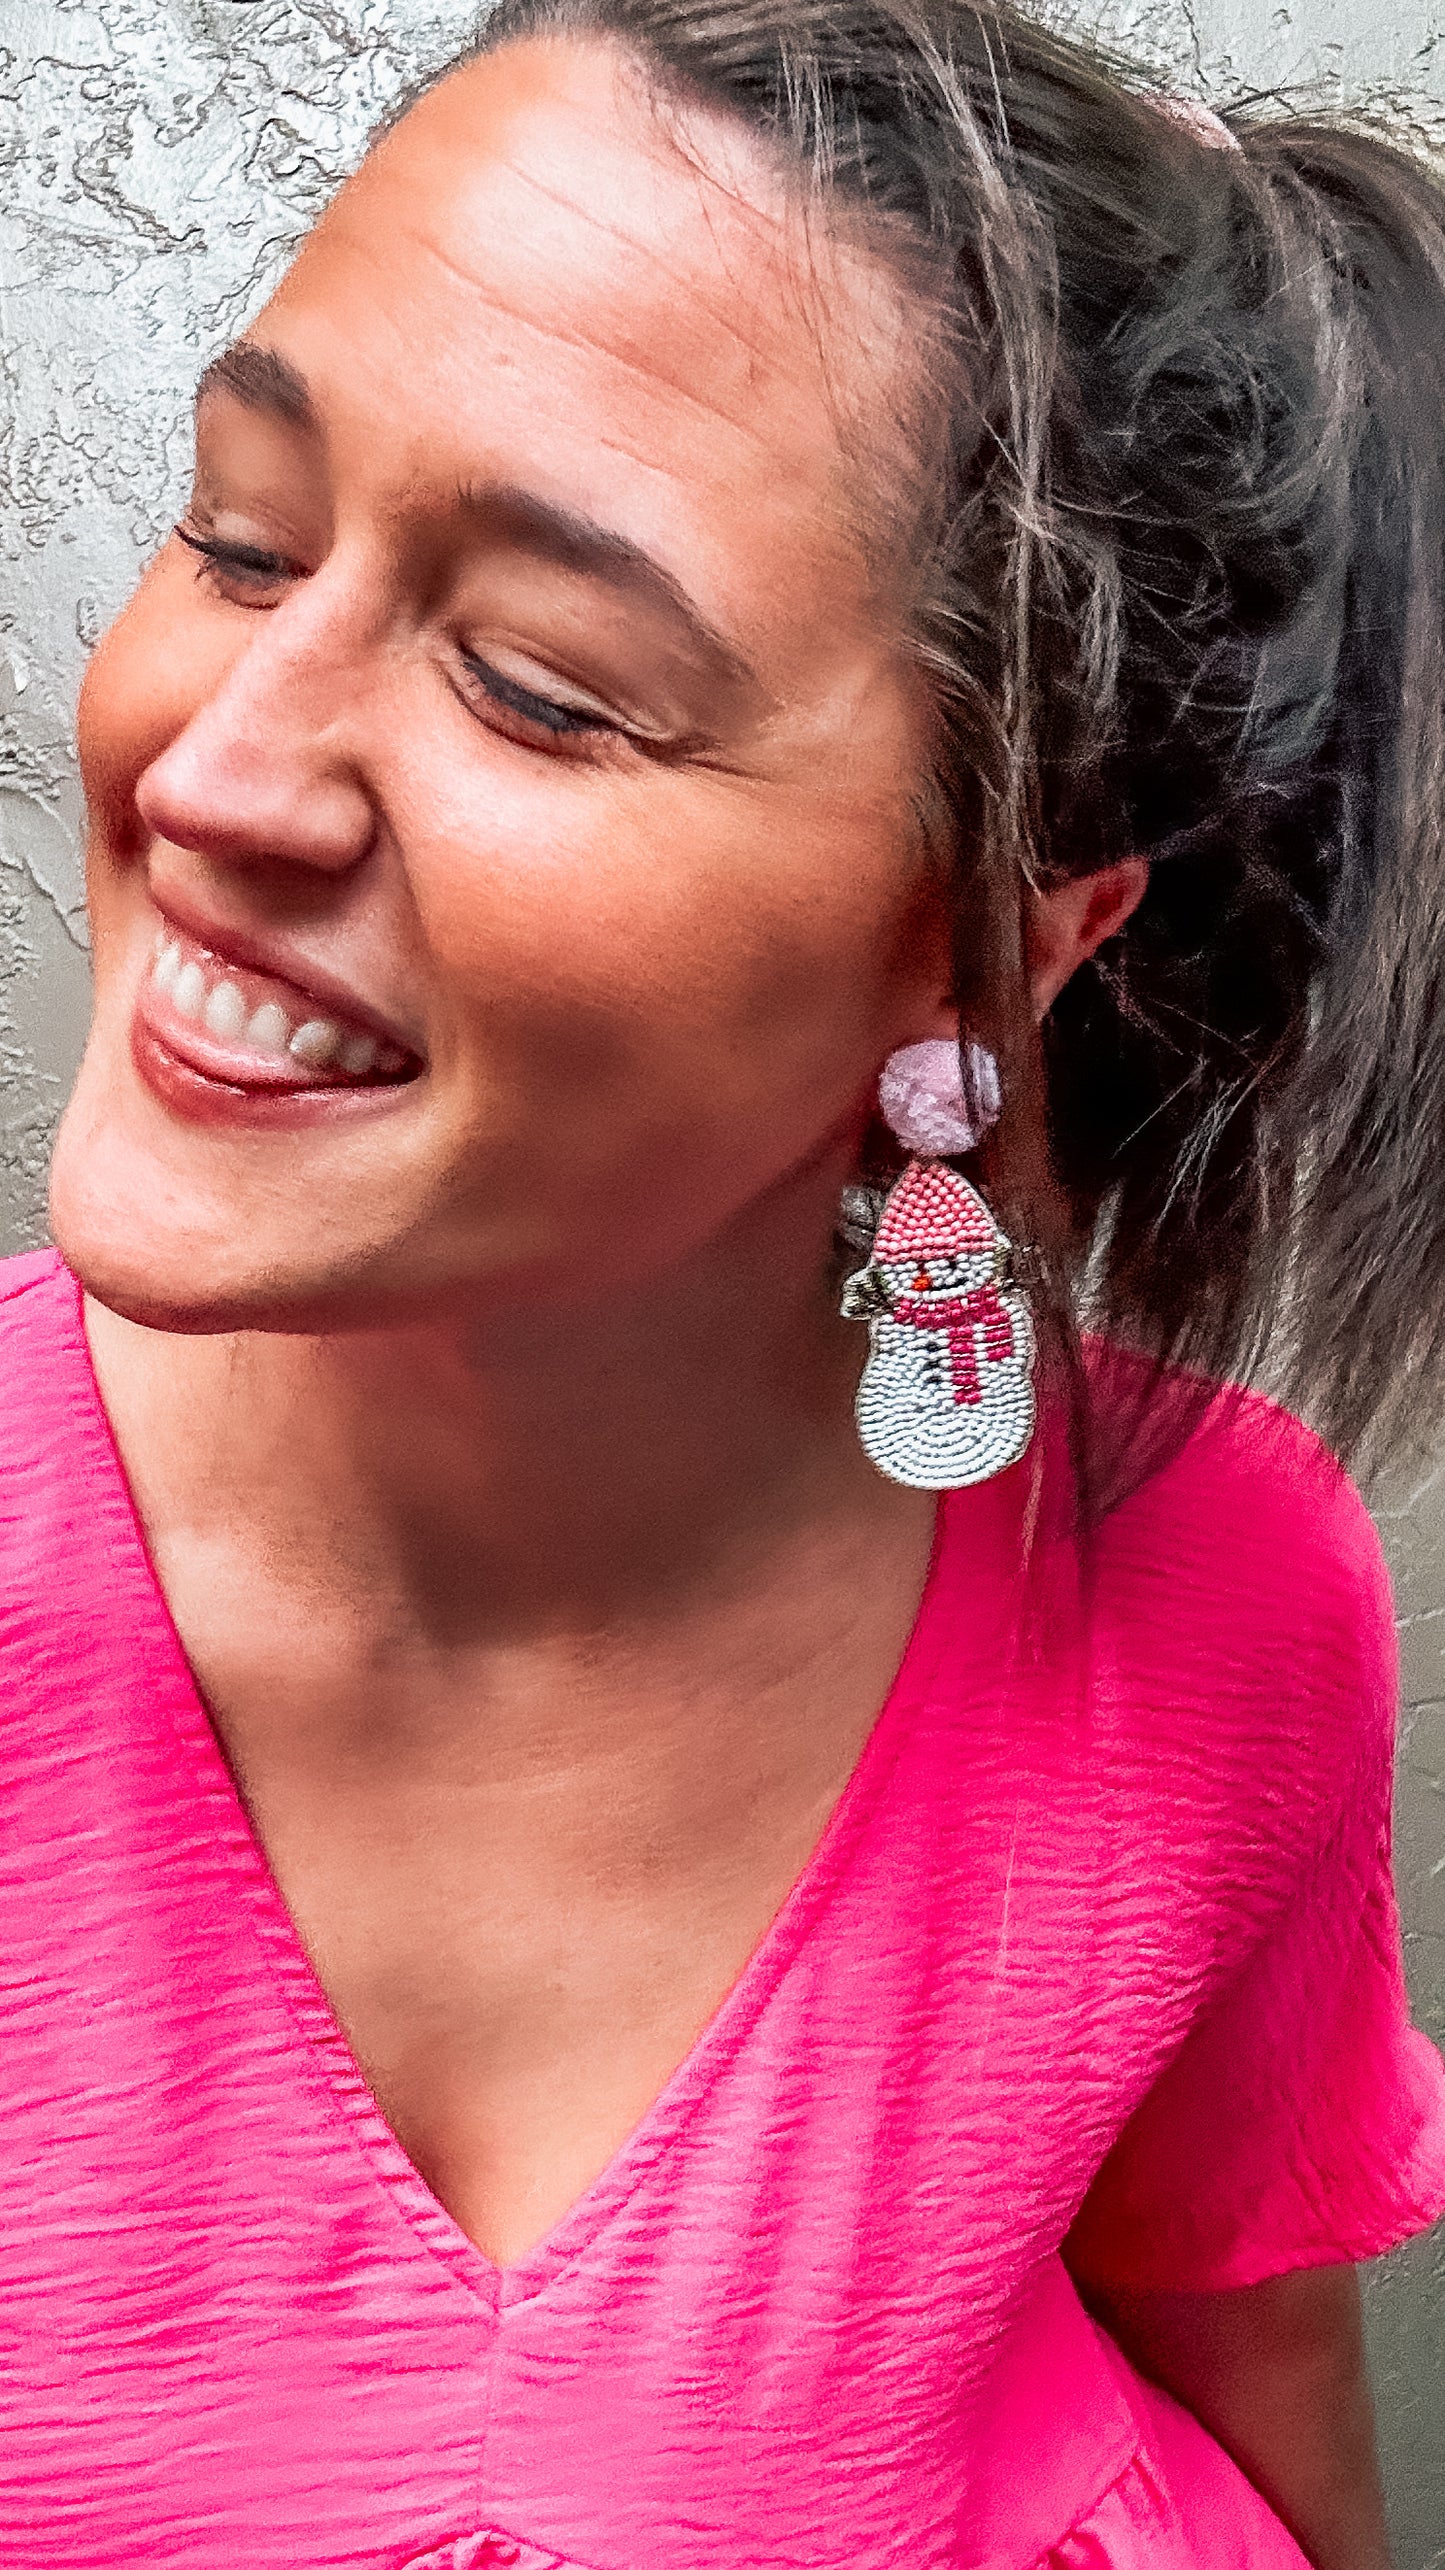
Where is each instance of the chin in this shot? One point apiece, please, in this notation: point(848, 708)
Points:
point(199, 1269)
point(155, 1283)
point(159, 1287)
point(161, 1240)
point(133, 1248)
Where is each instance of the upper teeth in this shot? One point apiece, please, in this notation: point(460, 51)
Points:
point(220, 1007)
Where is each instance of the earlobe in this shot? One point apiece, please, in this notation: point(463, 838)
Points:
point(1066, 925)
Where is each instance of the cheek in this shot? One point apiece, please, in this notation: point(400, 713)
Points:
point(725, 944)
point(156, 665)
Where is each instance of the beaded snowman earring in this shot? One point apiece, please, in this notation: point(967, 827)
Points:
point(947, 1393)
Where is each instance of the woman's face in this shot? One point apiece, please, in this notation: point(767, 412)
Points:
point(512, 762)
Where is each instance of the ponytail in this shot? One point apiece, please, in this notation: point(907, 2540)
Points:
point(1248, 1087)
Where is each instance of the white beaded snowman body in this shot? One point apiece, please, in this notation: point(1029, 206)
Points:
point(946, 1397)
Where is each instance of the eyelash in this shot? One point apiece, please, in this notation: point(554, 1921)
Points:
point(248, 562)
point(564, 722)
point(244, 561)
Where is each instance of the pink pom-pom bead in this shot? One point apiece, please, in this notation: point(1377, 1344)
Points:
point(921, 1096)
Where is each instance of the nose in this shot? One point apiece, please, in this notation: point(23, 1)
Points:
point(267, 769)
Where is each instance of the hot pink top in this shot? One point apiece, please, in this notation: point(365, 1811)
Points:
point(1099, 1947)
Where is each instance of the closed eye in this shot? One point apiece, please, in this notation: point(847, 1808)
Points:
point(247, 575)
point(560, 720)
point(246, 565)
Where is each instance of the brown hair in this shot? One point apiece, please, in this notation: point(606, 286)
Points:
point(1185, 599)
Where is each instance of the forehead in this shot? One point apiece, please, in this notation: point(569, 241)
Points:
point(540, 276)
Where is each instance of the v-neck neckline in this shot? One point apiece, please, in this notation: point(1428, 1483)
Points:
point(338, 2074)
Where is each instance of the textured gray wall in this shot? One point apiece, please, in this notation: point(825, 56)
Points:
point(158, 158)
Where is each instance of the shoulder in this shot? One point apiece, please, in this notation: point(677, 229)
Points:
point(1251, 1479)
point(44, 1381)
point(1254, 1492)
point(39, 1320)
point(33, 1270)
point(1246, 1582)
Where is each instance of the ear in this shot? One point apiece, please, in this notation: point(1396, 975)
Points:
point(1062, 927)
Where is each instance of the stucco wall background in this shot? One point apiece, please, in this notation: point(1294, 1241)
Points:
point(157, 158)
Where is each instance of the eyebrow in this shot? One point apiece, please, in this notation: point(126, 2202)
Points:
point(561, 536)
point(265, 381)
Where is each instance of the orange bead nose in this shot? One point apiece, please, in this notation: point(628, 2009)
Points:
point(922, 1280)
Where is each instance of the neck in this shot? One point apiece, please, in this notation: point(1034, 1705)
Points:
point(570, 1468)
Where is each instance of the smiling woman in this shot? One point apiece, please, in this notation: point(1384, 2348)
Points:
point(446, 664)
point(782, 608)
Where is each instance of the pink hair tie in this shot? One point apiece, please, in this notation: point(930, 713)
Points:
point(1201, 120)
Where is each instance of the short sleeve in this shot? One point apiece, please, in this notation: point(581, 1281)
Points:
point(1302, 2121)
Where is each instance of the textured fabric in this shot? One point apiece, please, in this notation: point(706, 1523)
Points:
point(1098, 1952)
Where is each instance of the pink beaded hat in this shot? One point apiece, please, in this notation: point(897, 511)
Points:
point(933, 1213)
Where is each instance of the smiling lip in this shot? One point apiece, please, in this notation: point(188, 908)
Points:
point(223, 1042)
